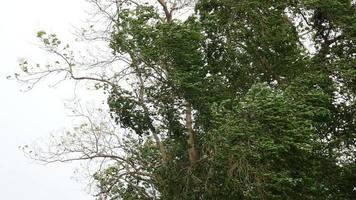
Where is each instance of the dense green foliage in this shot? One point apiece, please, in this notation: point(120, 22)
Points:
point(272, 118)
point(244, 99)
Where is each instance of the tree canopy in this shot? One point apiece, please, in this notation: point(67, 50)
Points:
point(221, 99)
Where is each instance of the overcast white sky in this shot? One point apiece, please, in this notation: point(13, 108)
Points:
point(24, 117)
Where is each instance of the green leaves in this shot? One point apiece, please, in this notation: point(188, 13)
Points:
point(272, 136)
point(40, 34)
point(128, 113)
point(270, 119)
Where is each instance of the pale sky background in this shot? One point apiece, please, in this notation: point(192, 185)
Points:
point(25, 117)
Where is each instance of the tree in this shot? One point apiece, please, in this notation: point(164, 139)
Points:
point(227, 103)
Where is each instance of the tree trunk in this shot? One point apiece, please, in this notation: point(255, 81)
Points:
point(193, 156)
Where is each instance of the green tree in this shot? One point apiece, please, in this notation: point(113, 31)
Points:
point(240, 100)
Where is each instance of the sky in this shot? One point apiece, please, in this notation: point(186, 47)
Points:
point(28, 116)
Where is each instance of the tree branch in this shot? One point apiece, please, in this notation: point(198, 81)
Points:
point(166, 10)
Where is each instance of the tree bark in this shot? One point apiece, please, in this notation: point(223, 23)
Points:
point(166, 10)
point(193, 156)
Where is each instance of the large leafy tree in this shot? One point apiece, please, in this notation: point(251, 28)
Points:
point(242, 99)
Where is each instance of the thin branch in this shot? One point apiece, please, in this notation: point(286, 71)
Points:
point(166, 10)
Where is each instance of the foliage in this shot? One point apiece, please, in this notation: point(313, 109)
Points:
point(241, 100)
